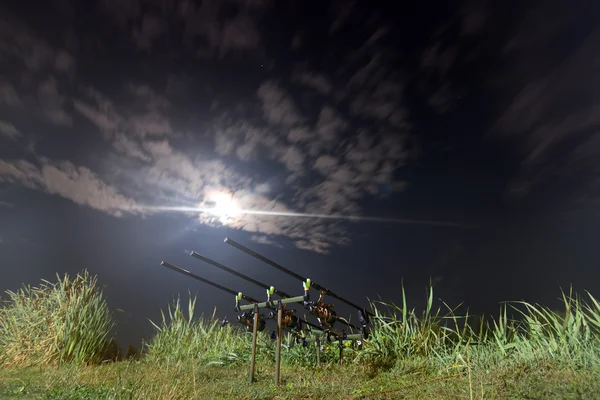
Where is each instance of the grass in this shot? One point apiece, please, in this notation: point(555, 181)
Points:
point(54, 323)
point(542, 354)
point(187, 380)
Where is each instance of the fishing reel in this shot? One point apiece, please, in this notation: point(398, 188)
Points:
point(288, 320)
point(323, 311)
point(247, 319)
point(325, 315)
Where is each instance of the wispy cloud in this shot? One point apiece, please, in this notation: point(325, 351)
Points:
point(40, 81)
point(8, 95)
point(538, 116)
point(206, 32)
point(278, 107)
point(318, 82)
point(265, 240)
point(8, 130)
point(270, 146)
point(67, 180)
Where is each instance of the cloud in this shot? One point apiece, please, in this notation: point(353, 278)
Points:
point(265, 240)
point(437, 62)
point(300, 135)
point(64, 62)
point(438, 59)
point(538, 117)
point(147, 98)
point(8, 95)
point(442, 98)
point(379, 33)
point(128, 134)
point(152, 28)
point(150, 124)
point(239, 33)
point(375, 92)
point(473, 16)
point(8, 130)
point(308, 234)
point(38, 74)
point(379, 102)
point(296, 41)
point(63, 178)
point(129, 147)
point(272, 148)
point(330, 124)
point(293, 158)
point(325, 164)
point(211, 29)
point(318, 82)
point(106, 120)
point(21, 43)
point(340, 11)
point(52, 103)
point(278, 106)
point(332, 165)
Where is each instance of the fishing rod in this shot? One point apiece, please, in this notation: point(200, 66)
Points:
point(246, 318)
point(289, 319)
point(251, 318)
point(363, 314)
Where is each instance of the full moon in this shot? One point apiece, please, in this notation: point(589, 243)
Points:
point(222, 206)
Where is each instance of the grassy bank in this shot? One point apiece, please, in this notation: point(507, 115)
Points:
point(542, 354)
point(416, 379)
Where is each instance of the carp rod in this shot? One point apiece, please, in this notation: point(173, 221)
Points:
point(270, 289)
point(245, 318)
point(363, 314)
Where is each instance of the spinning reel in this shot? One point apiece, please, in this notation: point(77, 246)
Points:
point(289, 320)
point(247, 319)
point(323, 311)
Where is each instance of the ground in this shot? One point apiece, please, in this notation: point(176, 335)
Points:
point(406, 380)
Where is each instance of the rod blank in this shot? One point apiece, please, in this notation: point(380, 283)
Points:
point(248, 279)
point(291, 273)
point(208, 282)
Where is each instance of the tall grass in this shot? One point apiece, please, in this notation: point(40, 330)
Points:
point(180, 337)
point(443, 338)
point(66, 321)
point(69, 321)
point(570, 336)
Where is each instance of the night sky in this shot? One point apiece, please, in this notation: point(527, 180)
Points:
point(479, 120)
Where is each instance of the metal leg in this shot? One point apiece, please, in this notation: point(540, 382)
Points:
point(318, 342)
point(278, 348)
point(254, 336)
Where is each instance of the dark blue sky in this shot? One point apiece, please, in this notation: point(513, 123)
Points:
point(480, 114)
